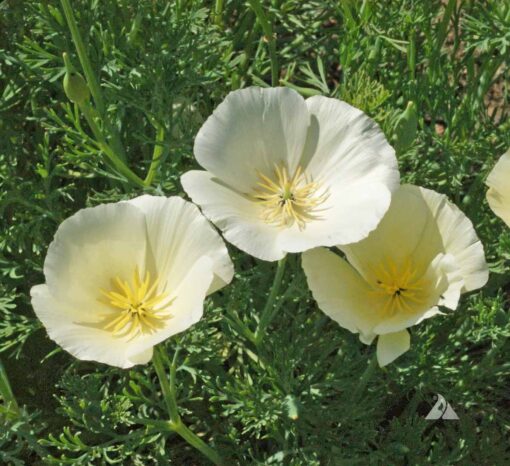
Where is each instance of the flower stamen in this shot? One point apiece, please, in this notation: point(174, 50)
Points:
point(288, 200)
point(400, 287)
point(136, 307)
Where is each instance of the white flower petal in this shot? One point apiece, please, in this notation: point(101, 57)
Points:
point(420, 224)
point(445, 284)
point(451, 284)
point(235, 215)
point(348, 154)
point(252, 129)
point(391, 345)
point(458, 238)
point(498, 194)
point(186, 308)
point(255, 131)
point(347, 147)
point(90, 342)
point(178, 236)
point(84, 342)
point(397, 237)
point(90, 248)
point(339, 290)
point(367, 338)
point(164, 241)
point(141, 358)
point(348, 216)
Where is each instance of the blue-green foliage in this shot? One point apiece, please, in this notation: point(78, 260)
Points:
point(303, 396)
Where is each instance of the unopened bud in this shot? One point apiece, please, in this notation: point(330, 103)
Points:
point(76, 88)
point(406, 128)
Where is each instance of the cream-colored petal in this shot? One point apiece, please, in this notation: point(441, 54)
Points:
point(234, 214)
point(90, 342)
point(142, 358)
point(420, 224)
point(348, 215)
point(498, 181)
point(451, 284)
point(444, 284)
point(91, 248)
point(84, 342)
point(402, 321)
point(367, 338)
point(347, 148)
point(392, 345)
point(398, 237)
point(458, 238)
point(252, 129)
point(179, 235)
point(186, 308)
point(340, 291)
point(348, 155)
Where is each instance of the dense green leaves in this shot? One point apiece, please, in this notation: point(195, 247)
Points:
point(302, 396)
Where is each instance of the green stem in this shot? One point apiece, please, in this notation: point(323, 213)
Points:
point(218, 13)
point(123, 169)
point(157, 155)
point(267, 27)
point(241, 328)
point(169, 393)
point(90, 76)
point(6, 393)
point(167, 386)
point(267, 312)
point(198, 443)
point(366, 376)
point(82, 55)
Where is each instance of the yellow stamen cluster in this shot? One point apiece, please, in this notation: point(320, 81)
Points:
point(286, 200)
point(400, 287)
point(136, 307)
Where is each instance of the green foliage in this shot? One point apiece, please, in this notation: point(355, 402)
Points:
point(304, 395)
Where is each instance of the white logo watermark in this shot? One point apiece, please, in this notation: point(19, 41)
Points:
point(442, 410)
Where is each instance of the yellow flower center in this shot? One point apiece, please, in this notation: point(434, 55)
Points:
point(286, 200)
point(136, 307)
point(399, 287)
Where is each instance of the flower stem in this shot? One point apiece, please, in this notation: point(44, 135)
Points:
point(365, 377)
point(6, 393)
point(218, 12)
point(267, 312)
point(169, 393)
point(118, 163)
point(269, 37)
point(90, 76)
point(197, 442)
point(167, 386)
point(159, 150)
point(92, 81)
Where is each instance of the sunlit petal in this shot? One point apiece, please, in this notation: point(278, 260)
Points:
point(288, 175)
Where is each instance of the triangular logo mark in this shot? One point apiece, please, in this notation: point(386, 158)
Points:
point(442, 410)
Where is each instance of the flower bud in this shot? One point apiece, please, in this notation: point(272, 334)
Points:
point(406, 128)
point(76, 88)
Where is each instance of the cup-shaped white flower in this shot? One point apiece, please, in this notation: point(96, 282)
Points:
point(423, 254)
point(285, 174)
point(122, 277)
point(498, 194)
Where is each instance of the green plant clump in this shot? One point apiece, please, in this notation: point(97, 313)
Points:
point(433, 74)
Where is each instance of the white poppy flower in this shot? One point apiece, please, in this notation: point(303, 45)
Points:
point(498, 194)
point(285, 174)
point(122, 277)
point(423, 254)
